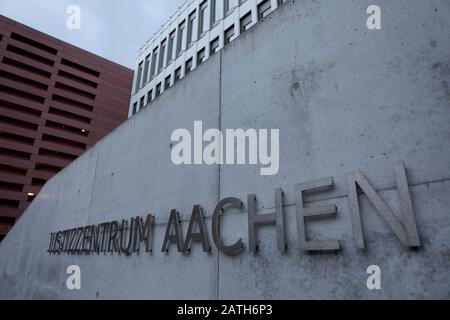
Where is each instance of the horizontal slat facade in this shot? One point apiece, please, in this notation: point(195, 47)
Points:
point(56, 101)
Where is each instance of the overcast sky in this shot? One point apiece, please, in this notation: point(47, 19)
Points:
point(114, 29)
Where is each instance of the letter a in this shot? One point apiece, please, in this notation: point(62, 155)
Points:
point(374, 20)
point(74, 280)
point(173, 238)
point(74, 20)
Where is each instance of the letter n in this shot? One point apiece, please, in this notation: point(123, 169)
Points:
point(405, 230)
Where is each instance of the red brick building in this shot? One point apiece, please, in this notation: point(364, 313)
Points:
point(56, 101)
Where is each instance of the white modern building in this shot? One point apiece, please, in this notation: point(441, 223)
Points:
point(199, 29)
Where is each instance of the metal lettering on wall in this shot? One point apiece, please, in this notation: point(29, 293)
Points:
point(126, 237)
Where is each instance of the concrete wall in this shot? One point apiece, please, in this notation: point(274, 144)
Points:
point(345, 98)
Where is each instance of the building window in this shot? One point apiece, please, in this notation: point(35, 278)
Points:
point(188, 66)
point(134, 108)
point(153, 65)
point(147, 66)
point(214, 12)
point(191, 24)
point(149, 97)
point(138, 77)
point(264, 9)
point(171, 47)
point(141, 103)
point(167, 82)
point(202, 20)
point(229, 33)
point(201, 56)
point(228, 6)
point(178, 74)
point(158, 90)
point(214, 46)
point(162, 53)
point(246, 22)
point(181, 29)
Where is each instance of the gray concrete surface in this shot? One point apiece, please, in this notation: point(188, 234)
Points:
point(344, 98)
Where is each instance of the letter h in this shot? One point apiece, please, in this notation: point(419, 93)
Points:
point(255, 220)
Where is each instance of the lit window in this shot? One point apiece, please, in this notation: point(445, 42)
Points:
point(214, 46)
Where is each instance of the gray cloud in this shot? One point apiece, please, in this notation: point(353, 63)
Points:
point(114, 29)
